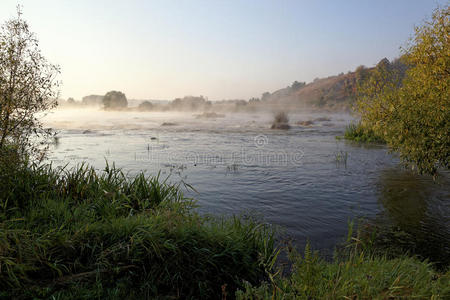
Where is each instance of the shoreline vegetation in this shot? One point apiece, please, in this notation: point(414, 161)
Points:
point(88, 234)
point(405, 103)
point(83, 234)
point(361, 134)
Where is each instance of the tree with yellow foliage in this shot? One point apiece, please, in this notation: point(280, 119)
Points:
point(412, 111)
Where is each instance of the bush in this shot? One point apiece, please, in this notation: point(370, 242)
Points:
point(281, 121)
point(360, 133)
point(145, 106)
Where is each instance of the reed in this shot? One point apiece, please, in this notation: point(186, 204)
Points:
point(341, 157)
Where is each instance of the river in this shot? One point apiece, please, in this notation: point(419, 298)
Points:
point(302, 179)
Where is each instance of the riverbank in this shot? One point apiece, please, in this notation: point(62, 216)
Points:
point(86, 234)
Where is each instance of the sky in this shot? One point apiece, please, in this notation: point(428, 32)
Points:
point(218, 49)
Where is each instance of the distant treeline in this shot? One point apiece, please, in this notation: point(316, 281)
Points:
point(334, 93)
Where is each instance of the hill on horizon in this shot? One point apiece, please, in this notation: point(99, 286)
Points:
point(334, 93)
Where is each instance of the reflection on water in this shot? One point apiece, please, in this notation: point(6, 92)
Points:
point(404, 197)
point(239, 165)
point(419, 207)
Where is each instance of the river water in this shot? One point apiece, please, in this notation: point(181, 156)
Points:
point(303, 179)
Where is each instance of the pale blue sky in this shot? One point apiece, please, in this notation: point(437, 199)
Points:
point(220, 49)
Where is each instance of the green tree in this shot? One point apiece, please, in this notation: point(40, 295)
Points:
point(115, 100)
point(28, 86)
point(411, 110)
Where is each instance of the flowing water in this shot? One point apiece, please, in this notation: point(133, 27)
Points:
point(303, 179)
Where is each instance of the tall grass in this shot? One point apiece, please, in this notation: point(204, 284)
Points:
point(25, 188)
point(358, 271)
point(358, 277)
point(86, 234)
point(360, 133)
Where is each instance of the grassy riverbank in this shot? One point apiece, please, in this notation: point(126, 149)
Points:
point(359, 270)
point(84, 234)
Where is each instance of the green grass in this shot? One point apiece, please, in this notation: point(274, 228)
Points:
point(358, 271)
point(359, 277)
point(359, 133)
point(384, 239)
point(84, 234)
